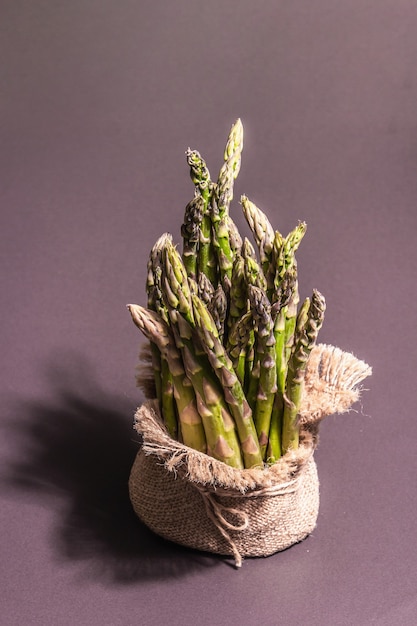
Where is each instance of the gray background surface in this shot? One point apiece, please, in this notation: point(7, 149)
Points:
point(100, 99)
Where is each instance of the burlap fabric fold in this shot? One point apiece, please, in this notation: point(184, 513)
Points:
point(194, 500)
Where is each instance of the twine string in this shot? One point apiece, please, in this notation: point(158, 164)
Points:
point(216, 510)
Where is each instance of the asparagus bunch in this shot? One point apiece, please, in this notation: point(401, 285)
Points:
point(229, 343)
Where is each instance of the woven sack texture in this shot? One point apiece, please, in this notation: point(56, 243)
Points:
point(192, 499)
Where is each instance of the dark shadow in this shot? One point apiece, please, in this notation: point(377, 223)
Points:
point(76, 451)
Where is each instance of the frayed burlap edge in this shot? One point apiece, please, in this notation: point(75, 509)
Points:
point(332, 383)
point(195, 500)
point(202, 469)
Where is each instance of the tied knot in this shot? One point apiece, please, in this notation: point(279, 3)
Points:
point(216, 510)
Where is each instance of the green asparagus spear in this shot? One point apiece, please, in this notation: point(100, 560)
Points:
point(252, 376)
point(218, 309)
point(249, 363)
point(275, 432)
point(274, 449)
point(309, 326)
point(262, 231)
point(191, 231)
point(253, 272)
point(265, 348)
point(233, 392)
point(200, 176)
point(285, 298)
point(238, 343)
point(199, 172)
point(163, 385)
point(279, 315)
point(221, 436)
point(270, 269)
point(302, 318)
point(238, 292)
point(176, 286)
point(235, 238)
point(168, 404)
point(205, 289)
point(253, 277)
point(155, 302)
point(158, 332)
point(234, 146)
point(222, 198)
point(219, 427)
point(288, 267)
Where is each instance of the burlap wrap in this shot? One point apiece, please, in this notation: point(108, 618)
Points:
point(194, 500)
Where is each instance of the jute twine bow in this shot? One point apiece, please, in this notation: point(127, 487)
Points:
point(215, 509)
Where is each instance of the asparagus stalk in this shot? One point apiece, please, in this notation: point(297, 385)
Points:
point(168, 404)
point(190, 231)
point(218, 309)
point(274, 449)
point(267, 386)
point(285, 294)
point(154, 276)
point(223, 197)
point(289, 263)
point(155, 302)
point(176, 286)
point(309, 326)
point(239, 341)
point(219, 427)
point(234, 146)
point(253, 277)
point(284, 257)
point(235, 238)
point(285, 297)
point(274, 443)
point(275, 432)
point(205, 289)
point(302, 317)
point(222, 441)
point(292, 243)
point(233, 392)
point(200, 176)
point(253, 272)
point(285, 311)
point(262, 231)
point(238, 292)
point(199, 173)
point(159, 333)
point(162, 376)
point(249, 364)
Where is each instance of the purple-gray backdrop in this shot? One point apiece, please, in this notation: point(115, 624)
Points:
point(100, 99)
